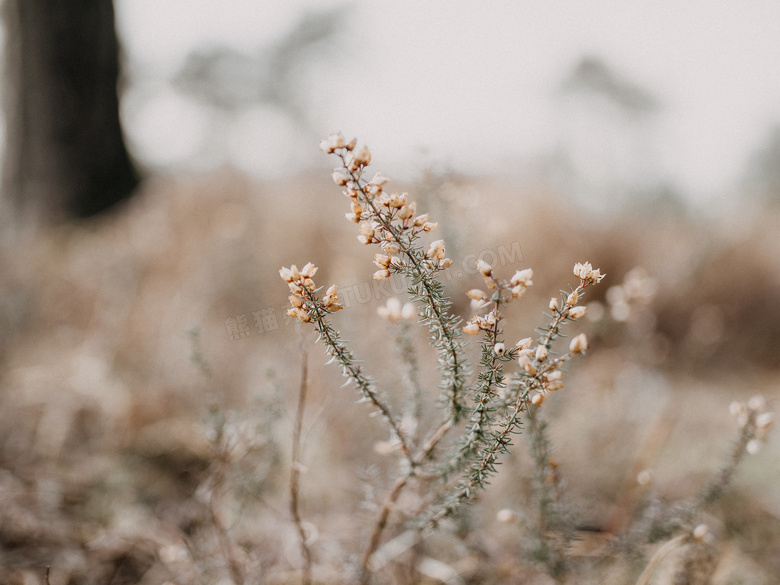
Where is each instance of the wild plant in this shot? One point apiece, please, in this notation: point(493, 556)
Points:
point(451, 457)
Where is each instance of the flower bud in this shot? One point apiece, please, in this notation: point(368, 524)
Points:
point(587, 274)
point(407, 211)
point(378, 180)
point(476, 294)
point(765, 420)
point(286, 274)
point(541, 353)
point(420, 220)
point(363, 156)
point(381, 260)
point(523, 277)
point(332, 143)
point(518, 291)
point(471, 329)
point(436, 250)
point(381, 275)
point(537, 399)
point(553, 386)
point(392, 248)
point(339, 178)
point(579, 344)
point(572, 299)
point(484, 268)
point(478, 305)
point(301, 315)
point(554, 304)
point(366, 230)
point(524, 343)
point(554, 376)
point(577, 312)
point(526, 364)
point(499, 349)
point(581, 270)
point(506, 516)
point(309, 270)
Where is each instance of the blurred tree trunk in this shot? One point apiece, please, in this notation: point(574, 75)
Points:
point(65, 154)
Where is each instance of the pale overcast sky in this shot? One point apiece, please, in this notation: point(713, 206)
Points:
point(473, 84)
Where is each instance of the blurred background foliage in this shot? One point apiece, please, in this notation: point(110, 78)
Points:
point(120, 377)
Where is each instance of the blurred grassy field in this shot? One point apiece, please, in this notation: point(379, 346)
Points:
point(105, 414)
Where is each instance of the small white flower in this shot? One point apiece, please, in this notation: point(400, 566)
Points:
point(363, 156)
point(476, 294)
point(523, 277)
point(339, 178)
point(506, 516)
point(765, 420)
point(526, 364)
point(391, 310)
point(484, 268)
point(286, 274)
point(332, 143)
point(436, 250)
point(378, 180)
point(579, 344)
point(471, 329)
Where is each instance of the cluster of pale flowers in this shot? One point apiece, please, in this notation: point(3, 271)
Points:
point(587, 274)
point(533, 360)
point(393, 310)
point(762, 420)
point(385, 219)
point(516, 287)
point(302, 299)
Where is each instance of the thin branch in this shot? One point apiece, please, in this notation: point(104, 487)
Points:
point(295, 469)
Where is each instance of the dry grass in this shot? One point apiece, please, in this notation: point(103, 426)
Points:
point(105, 417)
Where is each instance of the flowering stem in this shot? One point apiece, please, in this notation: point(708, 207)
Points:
point(443, 327)
point(489, 378)
point(339, 351)
point(482, 468)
